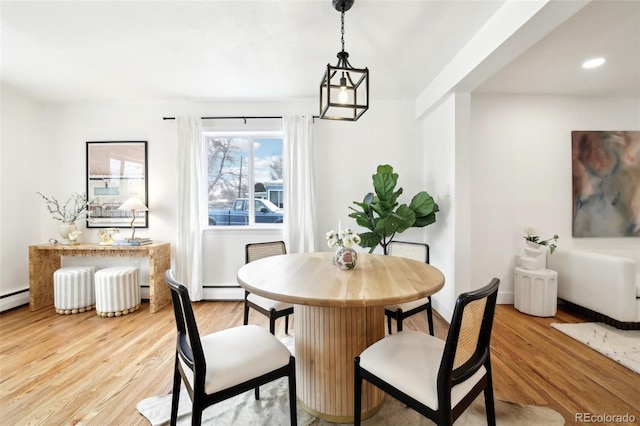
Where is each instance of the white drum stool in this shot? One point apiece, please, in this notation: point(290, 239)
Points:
point(117, 291)
point(73, 289)
point(536, 291)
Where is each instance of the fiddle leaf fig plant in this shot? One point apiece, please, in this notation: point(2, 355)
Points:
point(382, 215)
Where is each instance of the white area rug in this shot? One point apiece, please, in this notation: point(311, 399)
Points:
point(273, 410)
point(622, 346)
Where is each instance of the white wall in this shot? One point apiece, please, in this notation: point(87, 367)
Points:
point(439, 175)
point(447, 170)
point(23, 149)
point(521, 173)
point(345, 154)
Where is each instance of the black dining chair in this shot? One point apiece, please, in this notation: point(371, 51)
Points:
point(273, 309)
point(401, 311)
point(439, 379)
point(226, 363)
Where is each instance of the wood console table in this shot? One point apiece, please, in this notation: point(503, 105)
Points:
point(44, 260)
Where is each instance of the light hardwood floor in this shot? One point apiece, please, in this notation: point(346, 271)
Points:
point(82, 369)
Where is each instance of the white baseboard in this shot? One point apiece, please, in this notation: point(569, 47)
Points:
point(505, 298)
point(446, 312)
point(14, 301)
point(232, 294)
point(211, 293)
point(223, 293)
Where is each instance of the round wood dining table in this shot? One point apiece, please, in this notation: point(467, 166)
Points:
point(338, 313)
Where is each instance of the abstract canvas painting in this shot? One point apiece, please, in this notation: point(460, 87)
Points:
point(606, 183)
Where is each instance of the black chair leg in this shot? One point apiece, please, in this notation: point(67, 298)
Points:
point(399, 320)
point(293, 404)
point(272, 323)
point(389, 323)
point(444, 418)
point(488, 398)
point(357, 392)
point(175, 398)
point(196, 417)
point(256, 391)
point(489, 406)
point(246, 309)
point(286, 324)
point(430, 317)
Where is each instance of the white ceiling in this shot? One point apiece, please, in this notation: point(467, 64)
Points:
point(66, 51)
point(603, 28)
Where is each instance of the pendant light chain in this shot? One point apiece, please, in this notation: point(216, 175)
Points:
point(342, 29)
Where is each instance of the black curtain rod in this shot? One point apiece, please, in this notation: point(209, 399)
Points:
point(242, 117)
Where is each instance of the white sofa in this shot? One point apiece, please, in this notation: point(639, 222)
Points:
point(605, 284)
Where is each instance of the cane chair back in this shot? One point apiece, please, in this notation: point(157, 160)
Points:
point(272, 309)
point(255, 251)
point(401, 311)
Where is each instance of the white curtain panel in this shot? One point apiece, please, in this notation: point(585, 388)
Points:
point(299, 202)
point(192, 210)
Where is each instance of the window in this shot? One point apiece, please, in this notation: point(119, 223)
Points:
point(245, 178)
point(275, 193)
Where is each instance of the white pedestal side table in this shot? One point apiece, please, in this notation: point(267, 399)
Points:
point(536, 291)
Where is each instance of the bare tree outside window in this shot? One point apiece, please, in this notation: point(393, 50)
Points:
point(276, 167)
point(224, 168)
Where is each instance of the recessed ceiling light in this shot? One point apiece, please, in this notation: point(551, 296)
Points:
point(593, 63)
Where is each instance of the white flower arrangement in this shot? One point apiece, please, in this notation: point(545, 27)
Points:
point(345, 238)
point(530, 235)
point(72, 210)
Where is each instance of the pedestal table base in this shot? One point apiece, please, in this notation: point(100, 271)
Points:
point(327, 339)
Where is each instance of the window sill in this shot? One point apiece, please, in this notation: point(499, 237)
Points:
point(252, 228)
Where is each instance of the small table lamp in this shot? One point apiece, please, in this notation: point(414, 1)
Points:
point(133, 204)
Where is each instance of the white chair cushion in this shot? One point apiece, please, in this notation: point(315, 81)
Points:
point(268, 304)
point(238, 354)
point(409, 361)
point(407, 306)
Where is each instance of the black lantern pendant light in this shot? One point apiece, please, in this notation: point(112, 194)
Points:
point(344, 91)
